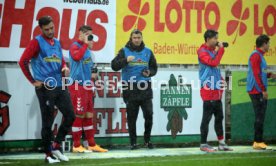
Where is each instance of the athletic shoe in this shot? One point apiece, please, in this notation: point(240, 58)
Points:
point(259, 146)
point(87, 150)
point(149, 145)
point(207, 148)
point(51, 159)
point(97, 148)
point(134, 147)
point(224, 147)
point(80, 149)
point(60, 155)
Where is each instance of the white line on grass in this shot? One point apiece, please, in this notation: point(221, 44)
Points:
point(184, 160)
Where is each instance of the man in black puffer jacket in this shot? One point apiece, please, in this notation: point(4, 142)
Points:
point(138, 65)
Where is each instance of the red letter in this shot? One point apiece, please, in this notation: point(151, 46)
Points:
point(158, 26)
point(109, 129)
point(212, 6)
point(173, 5)
point(65, 40)
point(98, 29)
point(269, 30)
point(22, 17)
point(98, 120)
point(188, 5)
point(199, 6)
point(257, 29)
point(113, 78)
point(100, 85)
point(4, 112)
point(124, 121)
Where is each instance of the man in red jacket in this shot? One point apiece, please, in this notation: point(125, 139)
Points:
point(209, 57)
point(257, 87)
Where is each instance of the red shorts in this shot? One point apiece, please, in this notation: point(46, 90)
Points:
point(82, 99)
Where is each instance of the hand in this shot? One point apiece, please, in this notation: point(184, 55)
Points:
point(85, 38)
point(38, 84)
point(66, 71)
point(94, 76)
point(273, 76)
point(265, 95)
point(146, 73)
point(220, 44)
point(90, 44)
point(130, 58)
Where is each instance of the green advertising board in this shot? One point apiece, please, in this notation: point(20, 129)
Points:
point(242, 114)
point(176, 96)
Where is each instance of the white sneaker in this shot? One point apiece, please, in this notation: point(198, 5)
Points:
point(207, 148)
point(224, 147)
point(59, 155)
point(51, 160)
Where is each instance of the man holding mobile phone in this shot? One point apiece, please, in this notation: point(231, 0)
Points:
point(138, 65)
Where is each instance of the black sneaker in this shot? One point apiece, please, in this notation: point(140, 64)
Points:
point(149, 145)
point(51, 159)
point(133, 147)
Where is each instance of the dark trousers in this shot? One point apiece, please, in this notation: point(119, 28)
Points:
point(47, 100)
point(211, 108)
point(132, 114)
point(259, 106)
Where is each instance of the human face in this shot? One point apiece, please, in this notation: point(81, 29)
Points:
point(48, 30)
point(83, 35)
point(212, 42)
point(266, 46)
point(136, 39)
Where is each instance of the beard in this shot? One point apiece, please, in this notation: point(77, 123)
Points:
point(50, 36)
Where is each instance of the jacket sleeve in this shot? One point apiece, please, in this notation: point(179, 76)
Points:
point(78, 52)
point(119, 61)
point(206, 59)
point(152, 65)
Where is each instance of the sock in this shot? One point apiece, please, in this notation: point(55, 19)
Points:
point(77, 131)
point(89, 131)
point(221, 140)
point(85, 143)
point(48, 154)
point(56, 145)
